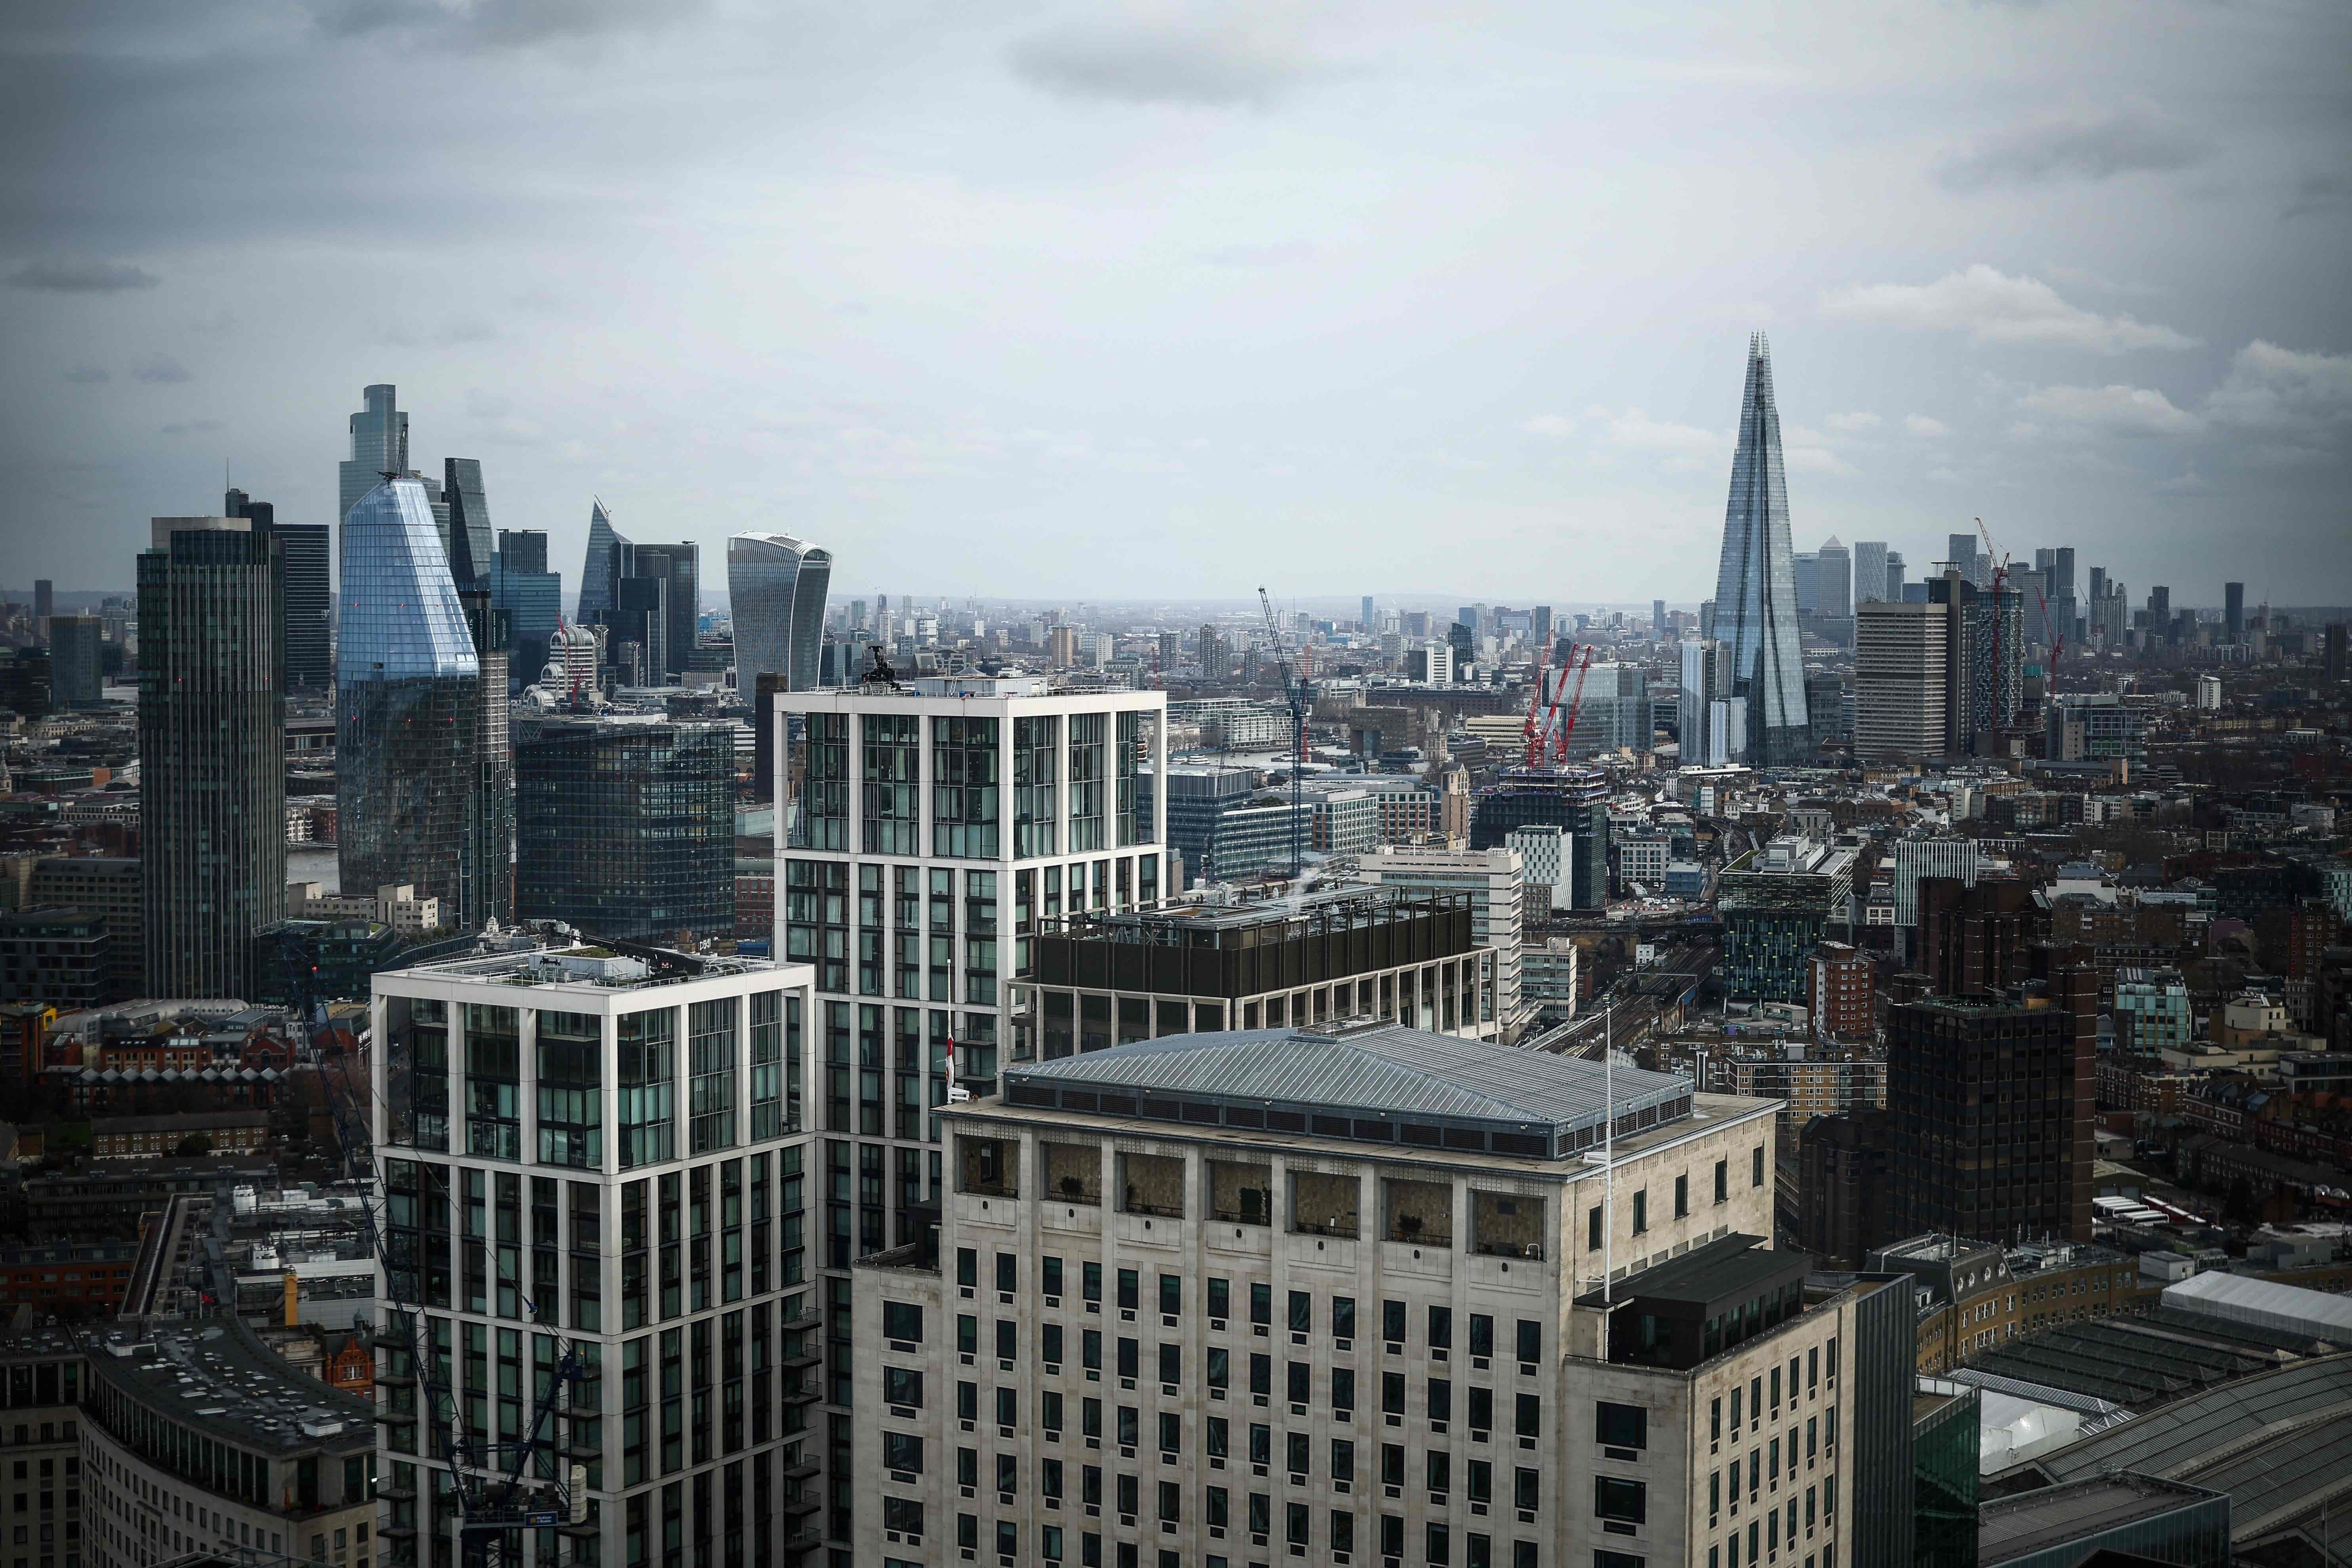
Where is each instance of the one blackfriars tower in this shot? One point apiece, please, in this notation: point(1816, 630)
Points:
point(1755, 586)
point(409, 735)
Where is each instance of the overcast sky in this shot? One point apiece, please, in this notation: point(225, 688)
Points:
point(1107, 302)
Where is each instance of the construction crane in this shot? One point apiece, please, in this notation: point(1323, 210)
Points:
point(1294, 690)
point(1551, 713)
point(1530, 735)
point(495, 1499)
point(1575, 706)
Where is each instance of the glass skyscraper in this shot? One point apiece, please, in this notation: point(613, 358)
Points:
point(609, 561)
point(302, 551)
point(627, 830)
point(776, 587)
point(469, 523)
point(212, 747)
point(408, 714)
point(1754, 586)
point(379, 446)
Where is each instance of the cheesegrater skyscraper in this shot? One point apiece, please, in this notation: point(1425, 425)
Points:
point(1755, 586)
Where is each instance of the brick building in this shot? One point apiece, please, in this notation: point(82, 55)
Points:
point(1839, 993)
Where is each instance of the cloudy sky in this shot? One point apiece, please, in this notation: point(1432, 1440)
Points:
point(1176, 298)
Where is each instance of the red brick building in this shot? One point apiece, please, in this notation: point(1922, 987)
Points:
point(1839, 993)
point(91, 1275)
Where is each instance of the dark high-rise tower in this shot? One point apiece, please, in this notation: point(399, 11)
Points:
point(1989, 1112)
point(408, 713)
point(469, 523)
point(1754, 586)
point(627, 830)
point(302, 578)
point(609, 560)
point(212, 744)
point(2233, 611)
point(531, 597)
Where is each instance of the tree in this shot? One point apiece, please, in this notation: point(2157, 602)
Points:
point(195, 1143)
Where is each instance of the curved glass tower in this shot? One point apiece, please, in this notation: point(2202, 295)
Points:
point(1754, 586)
point(776, 587)
point(408, 711)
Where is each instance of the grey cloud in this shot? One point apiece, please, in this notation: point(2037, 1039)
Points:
point(85, 276)
point(2316, 195)
point(162, 370)
point(2094, 148)
point(1201, 64)
point(87, 375)
point(193, 427)
point(496, 23)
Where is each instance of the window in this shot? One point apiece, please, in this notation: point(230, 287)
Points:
point(1220, 1298)
point(902, 1321)
point(1171, 1294)
point(902, 1451)
point(1531, 1341)
point(1343, 1317)
point(1392, 1321)
point(1529, 1416)
point(1482, 1334)
point(1261, 1303)
point(1614, 1497)
point(1592, 1228)
point(902, 1386)
point(1682, 1196)
point(1302, 1313)
point(1755, 1166)
point(1621, 1425)
point(1441, 1328)
point(1722, 1181)
point(1640, 1210)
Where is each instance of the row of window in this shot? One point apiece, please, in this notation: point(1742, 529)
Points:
point(903, 1320)
point(1479, 1550)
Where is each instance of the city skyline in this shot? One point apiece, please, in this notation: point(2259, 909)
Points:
point(2105, 313)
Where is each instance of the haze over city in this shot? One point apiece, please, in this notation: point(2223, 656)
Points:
point(1154, 300)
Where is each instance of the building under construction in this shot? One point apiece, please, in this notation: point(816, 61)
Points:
point(1574, 798)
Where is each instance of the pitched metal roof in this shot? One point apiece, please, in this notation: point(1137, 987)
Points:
point(1390, 1070)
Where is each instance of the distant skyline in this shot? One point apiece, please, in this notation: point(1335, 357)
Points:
point(1183, 296)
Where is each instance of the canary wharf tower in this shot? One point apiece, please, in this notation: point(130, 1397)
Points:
point(1755, 586)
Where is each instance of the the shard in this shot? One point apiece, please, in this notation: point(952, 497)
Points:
point(1755, 586)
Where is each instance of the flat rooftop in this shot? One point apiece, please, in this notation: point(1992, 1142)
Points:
point(1734, 1266)
point(2014, 1527)
point(212, 1376)
point(1387, 1084)
point(1336, 907)
point(613, 967)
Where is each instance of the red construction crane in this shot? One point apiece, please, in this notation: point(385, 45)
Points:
point(1530, 734)
point(1575, 705)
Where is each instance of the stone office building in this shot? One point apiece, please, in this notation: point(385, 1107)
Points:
point(1243, 1298)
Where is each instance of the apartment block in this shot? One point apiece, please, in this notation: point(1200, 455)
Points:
point(1373, 1296)
point(606, 1152)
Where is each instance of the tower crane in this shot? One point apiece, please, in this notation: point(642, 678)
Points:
point(494, 1497)
point(1575, 706)
point(1530, 735)
point(1294, 690)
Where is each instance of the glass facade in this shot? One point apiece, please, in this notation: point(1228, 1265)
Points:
point(412, 791)
point(212, 741)
point(1944, 1483)
point(1754, 586)
point(627, 830)
point(776, 588)
point(468, 546)
point(607, 562)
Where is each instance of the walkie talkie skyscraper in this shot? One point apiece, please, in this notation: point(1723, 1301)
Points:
point(1755, 586)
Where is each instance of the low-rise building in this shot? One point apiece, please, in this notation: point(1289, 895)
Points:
point(394, 904)
point(153, 1137)
point(195, 1438)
